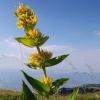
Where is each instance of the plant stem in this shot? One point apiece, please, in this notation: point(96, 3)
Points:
point(44, 71)
point(38, 49)
point(43, 68)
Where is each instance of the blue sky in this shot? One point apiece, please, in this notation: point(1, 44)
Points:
point(71, 23)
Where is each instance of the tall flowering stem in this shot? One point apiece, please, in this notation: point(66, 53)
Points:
point(44, 70)
point(38, 49)
point(32, 37)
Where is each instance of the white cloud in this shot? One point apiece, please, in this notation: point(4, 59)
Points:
point(9, 62)
point(60, 48)
point(11, 42)
point(82, 58)
point(77, 61)
point(7, 56)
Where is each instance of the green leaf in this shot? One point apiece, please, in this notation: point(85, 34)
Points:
point(26, 41)
point(43, 40)
point(42, 89)
point(27, 94)
point(48, 63)
point(55, 61)
point(57, 83)
point(32, 42)
point(74, 94)
point(60, 82)
point(32, 66)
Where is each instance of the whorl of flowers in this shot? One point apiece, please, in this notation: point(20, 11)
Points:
point(34, 33)
point(26, 17)
point(46, 80)
point(38, 59)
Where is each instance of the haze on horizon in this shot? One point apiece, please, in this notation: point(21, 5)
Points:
point(73, 27)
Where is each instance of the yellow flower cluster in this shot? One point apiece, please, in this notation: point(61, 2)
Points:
point(46, 55)
point(47, 81)
point(38, 59)
point(34, 33)
point(26, 17)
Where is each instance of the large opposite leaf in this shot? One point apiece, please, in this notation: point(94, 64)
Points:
point(27, 94)
point(74, 94)
point(48, 63)
point(26, 41)
point(54, 61)
point(56, 84)
point(32, 42)
point(37, 85)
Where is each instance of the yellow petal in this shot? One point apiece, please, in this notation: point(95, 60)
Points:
point(19, 25)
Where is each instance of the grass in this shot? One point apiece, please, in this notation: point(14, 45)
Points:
point(14, 95)
point(89, 96)
point(9, 95)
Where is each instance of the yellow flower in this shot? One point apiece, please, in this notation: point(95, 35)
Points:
point(47, 81)
point(34, 33)
point(22, 17)
point(20, 24)
point(35, 59)
point(21, 9)
point(33, 19)
point(38, 59)
point(26, 16)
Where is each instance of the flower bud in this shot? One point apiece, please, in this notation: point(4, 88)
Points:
point(47, 81)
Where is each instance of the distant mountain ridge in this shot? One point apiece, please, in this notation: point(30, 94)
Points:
point(86, 88)
point(92, 85)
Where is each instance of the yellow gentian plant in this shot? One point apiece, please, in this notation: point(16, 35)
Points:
point(32, 37)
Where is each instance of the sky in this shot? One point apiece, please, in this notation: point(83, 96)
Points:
point(72, 25)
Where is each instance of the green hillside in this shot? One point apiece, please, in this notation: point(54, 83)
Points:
point(15, 95)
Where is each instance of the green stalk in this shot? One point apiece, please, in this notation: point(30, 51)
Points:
point(38, 49)
point(45, 75)
point(44, 71)
point(43, 68)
